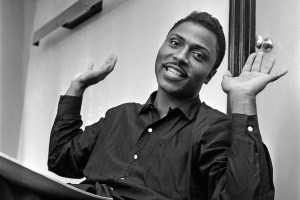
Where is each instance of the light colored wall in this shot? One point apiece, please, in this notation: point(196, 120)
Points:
point(12, 73)
point(32, 78)
point(134, 29)
point(278, 105)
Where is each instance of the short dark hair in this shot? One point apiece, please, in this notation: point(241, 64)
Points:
point(211, 23)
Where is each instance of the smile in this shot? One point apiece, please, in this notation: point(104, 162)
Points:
point(173, 71)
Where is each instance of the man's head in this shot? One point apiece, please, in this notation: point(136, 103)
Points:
point(190, 55)
point(212, 24)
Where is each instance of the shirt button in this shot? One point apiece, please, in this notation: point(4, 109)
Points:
point(150, 130)
point(135, 157)
point(250, 128)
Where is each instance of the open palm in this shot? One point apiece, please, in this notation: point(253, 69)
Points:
point(253, 78)
point(91, 77)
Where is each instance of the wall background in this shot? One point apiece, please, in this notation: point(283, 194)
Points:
point(278, 105)
point(14, 57)
point(32, 78)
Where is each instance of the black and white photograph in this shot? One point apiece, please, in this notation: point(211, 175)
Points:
point(149, 100)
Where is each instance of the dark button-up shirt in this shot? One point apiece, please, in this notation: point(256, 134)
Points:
point(194, 152)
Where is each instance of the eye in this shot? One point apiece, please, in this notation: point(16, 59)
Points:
point(174, 42)
point(198, 55)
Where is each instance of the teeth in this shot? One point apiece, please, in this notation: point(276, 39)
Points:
point(173, 71)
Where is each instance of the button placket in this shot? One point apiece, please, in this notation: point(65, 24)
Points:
point(137, 151)
point(139, 145)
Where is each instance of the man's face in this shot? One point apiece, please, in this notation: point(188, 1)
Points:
point(185, 60)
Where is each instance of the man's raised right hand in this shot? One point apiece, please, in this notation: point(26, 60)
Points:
point(91, 77)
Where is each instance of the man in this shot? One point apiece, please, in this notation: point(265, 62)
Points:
point(173, 146)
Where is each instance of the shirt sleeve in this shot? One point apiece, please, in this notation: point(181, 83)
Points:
point(234, 161)
point(249, 169)
point(70, 146)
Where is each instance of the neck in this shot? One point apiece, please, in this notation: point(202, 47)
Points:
point(164, 101)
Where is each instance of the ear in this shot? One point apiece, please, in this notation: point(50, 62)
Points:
point(210, 75)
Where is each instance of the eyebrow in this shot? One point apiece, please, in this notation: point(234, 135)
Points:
point(198, 46)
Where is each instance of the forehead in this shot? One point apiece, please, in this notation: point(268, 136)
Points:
point(196, 34)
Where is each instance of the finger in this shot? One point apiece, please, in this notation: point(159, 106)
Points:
point(107, 67)
point(249, 62)
point(109, 63)
point(227, 75)
point(275, 76)
point(268, 66)
point(90, 64)
point(111, 60)
point(257, 62)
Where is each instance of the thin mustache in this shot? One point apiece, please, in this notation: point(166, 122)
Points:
point(170, 62)
point(176, 63)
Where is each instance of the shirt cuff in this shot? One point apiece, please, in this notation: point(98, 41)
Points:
point(245, 126)
point(70, 104)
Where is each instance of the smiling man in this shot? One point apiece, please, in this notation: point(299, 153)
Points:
point(184, 62)
point(174, 146)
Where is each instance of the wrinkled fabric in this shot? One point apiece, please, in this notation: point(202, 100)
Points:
point(12, 191)
point(194, 152)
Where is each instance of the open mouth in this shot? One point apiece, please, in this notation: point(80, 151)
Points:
point(174, 70)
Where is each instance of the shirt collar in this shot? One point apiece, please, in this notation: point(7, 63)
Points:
point(189, 109)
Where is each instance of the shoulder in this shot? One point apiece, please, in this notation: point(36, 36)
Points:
point(124, 108)
point(211, 126)
point(210, 121)
point(210, 115)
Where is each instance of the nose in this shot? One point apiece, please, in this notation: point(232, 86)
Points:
point(181, 55)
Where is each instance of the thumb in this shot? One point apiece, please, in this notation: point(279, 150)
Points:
point(90, 63)
point(77, 76)
point(227, 75)
point(275, 76)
